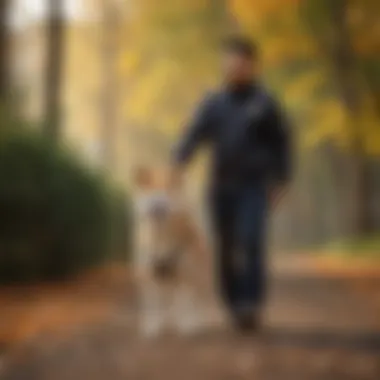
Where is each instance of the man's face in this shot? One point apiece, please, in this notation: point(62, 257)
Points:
point(238, 68)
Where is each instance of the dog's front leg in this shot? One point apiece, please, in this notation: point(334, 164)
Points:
point(186, 313)
point(152, 310)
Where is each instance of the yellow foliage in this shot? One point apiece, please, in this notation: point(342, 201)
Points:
point(168, 64)
point(130, 61)
point(260, 9)
point(280, 49)
point(328, 121)
point(306, 85)
point(170, 59)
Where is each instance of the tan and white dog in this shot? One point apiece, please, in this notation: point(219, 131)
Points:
point(168, 258)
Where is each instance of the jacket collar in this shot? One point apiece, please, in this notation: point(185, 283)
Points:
point(241, 91)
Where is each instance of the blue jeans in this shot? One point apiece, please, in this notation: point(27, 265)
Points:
point(239, 221)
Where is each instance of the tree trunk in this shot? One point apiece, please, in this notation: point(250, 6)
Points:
point(4, 53)
point(361, 197)
point(55, 56)
point(109, 53)
point(345, 72)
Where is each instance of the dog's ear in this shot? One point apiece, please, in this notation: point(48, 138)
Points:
point(143, 177)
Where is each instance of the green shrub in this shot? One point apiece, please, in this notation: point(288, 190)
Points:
point(57, 216)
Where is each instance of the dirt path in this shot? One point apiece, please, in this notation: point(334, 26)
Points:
point(317, 328)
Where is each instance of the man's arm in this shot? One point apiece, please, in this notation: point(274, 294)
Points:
point(196, 133)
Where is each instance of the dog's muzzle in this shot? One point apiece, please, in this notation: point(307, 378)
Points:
point(166, 267)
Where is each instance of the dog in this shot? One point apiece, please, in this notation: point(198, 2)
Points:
point(168, 257)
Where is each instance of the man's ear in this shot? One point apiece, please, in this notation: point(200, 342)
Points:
point(143, 177)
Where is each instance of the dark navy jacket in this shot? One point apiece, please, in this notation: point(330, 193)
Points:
point(247, 133)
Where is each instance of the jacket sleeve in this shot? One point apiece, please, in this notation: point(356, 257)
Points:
point(281, 145)
point(196, 133)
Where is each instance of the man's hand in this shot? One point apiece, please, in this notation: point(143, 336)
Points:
point(276, 194)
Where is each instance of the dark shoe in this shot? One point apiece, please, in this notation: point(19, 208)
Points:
point(248, 321)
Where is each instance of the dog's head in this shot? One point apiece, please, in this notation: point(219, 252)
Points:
point(152, 197)
point(158, 213)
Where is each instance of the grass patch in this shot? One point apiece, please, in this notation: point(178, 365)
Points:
point(367, 248)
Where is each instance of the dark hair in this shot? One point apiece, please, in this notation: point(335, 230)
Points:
point(242, 46)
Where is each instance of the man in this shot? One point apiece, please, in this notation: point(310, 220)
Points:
point(250, 147)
